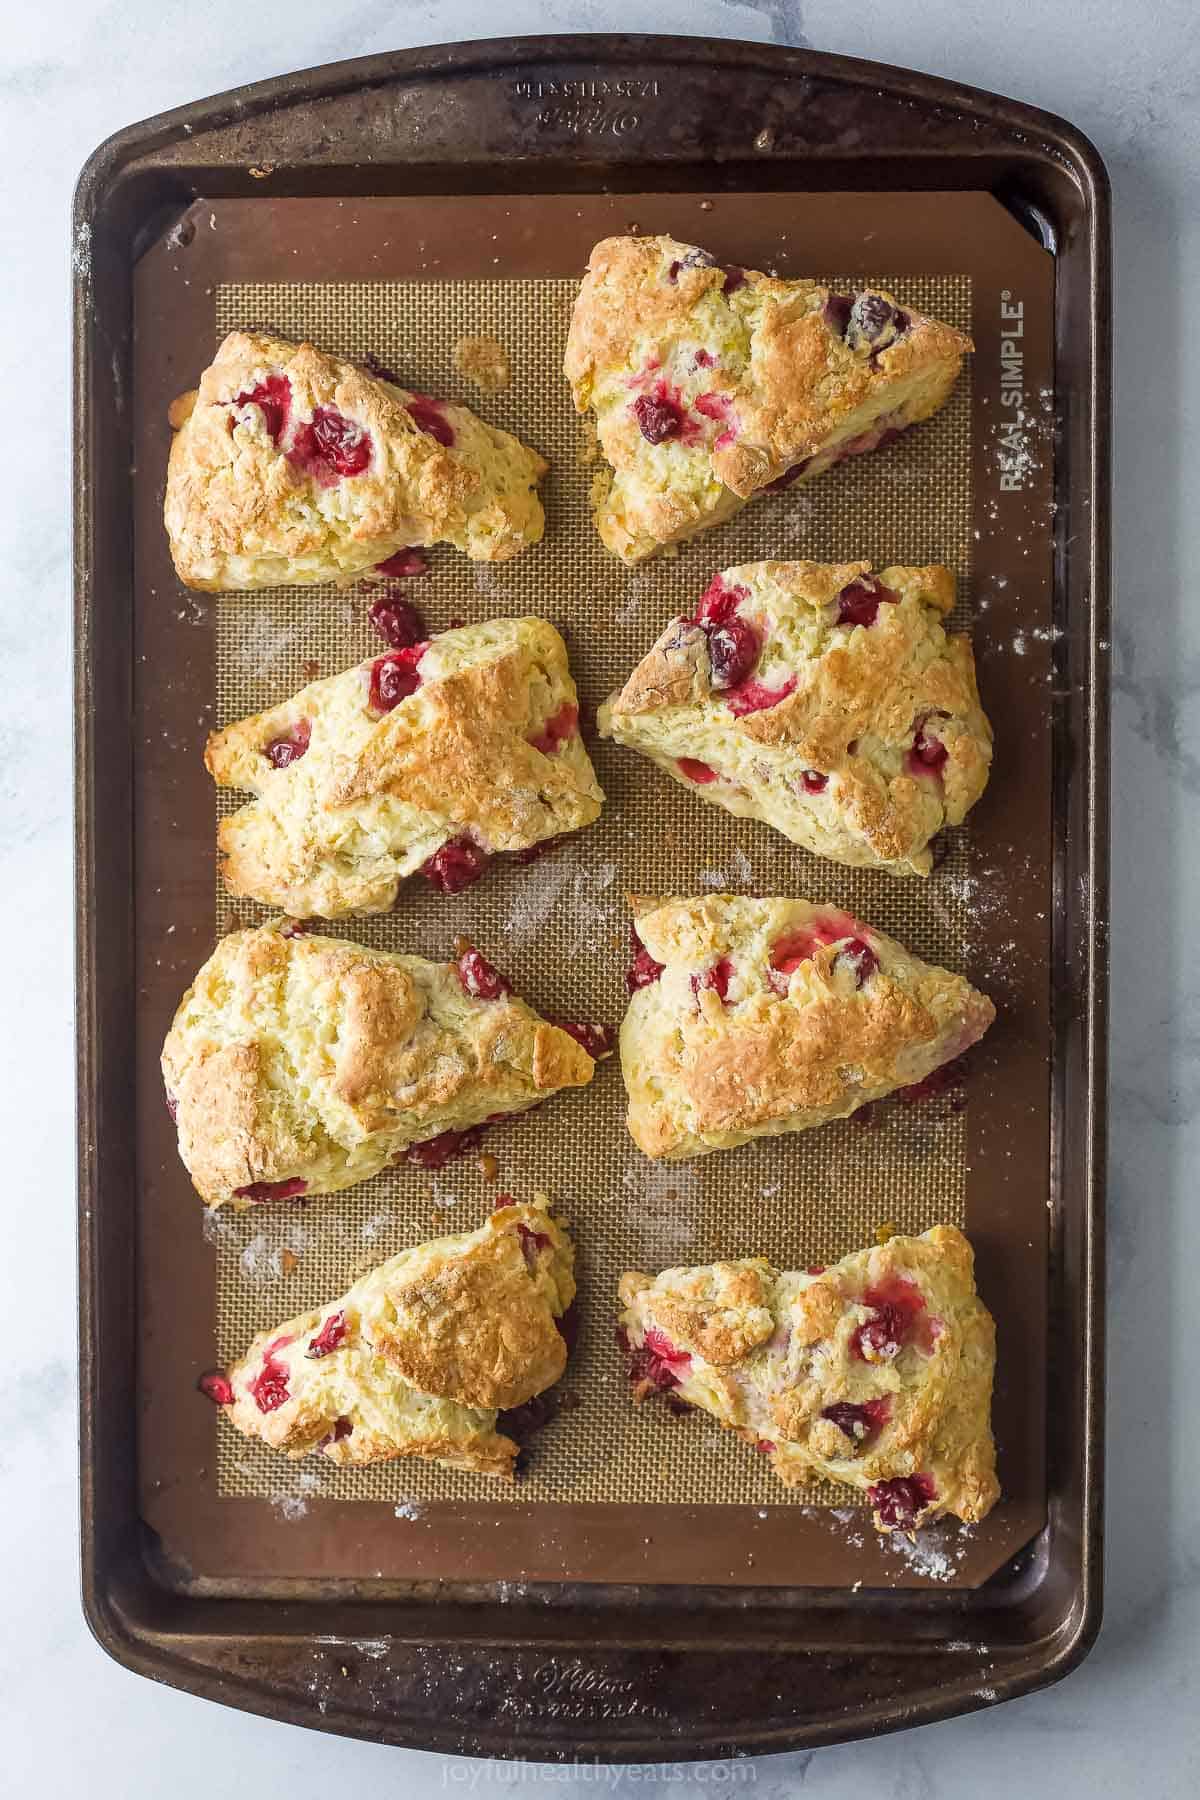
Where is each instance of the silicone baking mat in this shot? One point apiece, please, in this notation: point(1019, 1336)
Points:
point(609, 1492)
point(559, 927)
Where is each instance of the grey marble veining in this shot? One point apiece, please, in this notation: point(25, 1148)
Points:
point(71, 71)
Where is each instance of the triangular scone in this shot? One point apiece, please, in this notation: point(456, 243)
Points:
point(431, 758)
point(289, 466)
point(711, 383)
point(421, 1357)
point(822, 699)
point(876, 1372)
point(299, 1064)
point(748, 1018)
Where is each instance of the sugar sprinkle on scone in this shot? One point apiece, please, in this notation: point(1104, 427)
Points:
point(299, 1064)
point(289, 467)
point(876, 1372)
point(712, 383)
point(431, 758)
point(421, 1357)
point(748, 1018)
point(823, 699)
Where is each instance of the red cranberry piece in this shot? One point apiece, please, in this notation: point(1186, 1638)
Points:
point(557, 729)
point(755, 696)
point(457, 865)
point(427, 416)
point(813, 782)
point(764, 1446)
point(896, 1321)
point(859, 1421)
point(643, 971)
point(900, 1501)
point(859, 603)
point(657, 420)
point(717, 978)
point(836, 313)
point(789, 475)
point(479, 979)
point(696, 771)
point(273, 1190)
point(928, 753)
point(342, 1428)
point(712, 406)
point(949, 1075)
point(695, 259)
point(332, 1336)
point(398, 623)
point(437, 1151)
point(269, 1389)
point(863, 959)
point(217, 1386)
point(656, 1361)
point(404, 565)
point(394, 677)
point(330, 446)
point(732, 652)
point(531, 1243)
point(734, 277)
point(718, 603)
point(703, 359)
point(172, 1105)
point(597, 1040)
point(816, 1268)
point(281, 752)
point(273, 398)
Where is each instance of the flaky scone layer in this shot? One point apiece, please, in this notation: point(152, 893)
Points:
point(310, 1062)
point(776, 1015)
point(420, 1355)
point(487, 747)
point(289, 466)
point(856, 730)
point(876, 1372)
point(710, 383)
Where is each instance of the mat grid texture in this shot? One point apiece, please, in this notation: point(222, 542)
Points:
point(559, 927)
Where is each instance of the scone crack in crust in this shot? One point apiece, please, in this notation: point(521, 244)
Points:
point(712, 383)
point(821, 698)
point(876, 1372)
point(749, 1017)
point(289, 466)
point(420, 1357)
point(300, 1064)
point(432, 758)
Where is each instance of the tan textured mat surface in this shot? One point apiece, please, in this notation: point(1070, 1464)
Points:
point(559, 928)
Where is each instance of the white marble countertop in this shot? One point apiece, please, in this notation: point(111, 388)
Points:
point(71, 71)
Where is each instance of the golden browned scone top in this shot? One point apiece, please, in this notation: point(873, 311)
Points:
point(876, 1371)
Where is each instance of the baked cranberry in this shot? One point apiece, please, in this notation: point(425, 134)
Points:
point(561, 726)
point(269, 1389)
point(698, 772)
point(813, 782)
point(567, 1326)
point(949, 1075)
point(457, 865)
point(522, 1423)
point(901, 1501)
point(836, 313)
point(643, 971)
point(875, 321)
point(395, 676)
point(789, 475)
point(479, 979)
point(928, 754)
point(717, 978)
point(597, 1040)
point(437, 1151)
point(816, 1268)
point(330, 447)
point(858, 604)
point(713, 406)
point(427, 416)
point(273, 398)
point(531, 1243)
point(404, 565)
point(380, 370)
point(398, 623)
point(695, 259)
point(718, 603)
point(703, 359)
point(764, 1446)
point(342, 1428)
point(172, 1105)
point(655, 1361)
point(292, 928)
point(896, 1321)
point(734, 277)
point(281, 752)
point(272, 1190)
point(755, 696)
point(332, 1336)
point(859, 1420)
point(861, 957)
point(658, 419)
point(217, 1386)
point(796, 947)
point(732, 652)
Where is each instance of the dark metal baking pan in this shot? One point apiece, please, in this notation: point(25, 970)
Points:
point(622, 1668)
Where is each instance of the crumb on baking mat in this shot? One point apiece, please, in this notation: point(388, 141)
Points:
point(485, 362)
